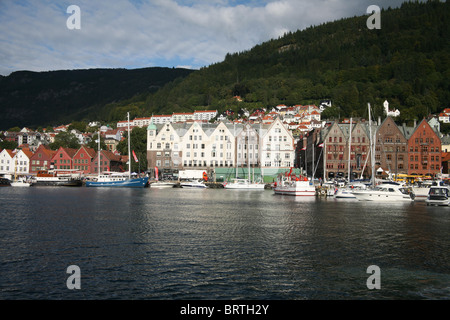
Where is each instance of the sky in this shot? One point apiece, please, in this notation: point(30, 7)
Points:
point(39, 35)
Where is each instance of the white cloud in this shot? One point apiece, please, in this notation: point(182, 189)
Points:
point(141, 33)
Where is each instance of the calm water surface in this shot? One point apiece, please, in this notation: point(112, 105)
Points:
point(217, 244)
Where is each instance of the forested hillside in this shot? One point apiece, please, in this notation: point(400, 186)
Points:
point(58, 97)
point(407, 62)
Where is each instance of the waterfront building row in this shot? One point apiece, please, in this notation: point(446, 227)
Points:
point(343, 149)
point(180, 146)
point(83, 160)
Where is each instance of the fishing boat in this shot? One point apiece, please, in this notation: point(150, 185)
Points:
point(385, 192)
point(295, 186)
point(118, 179)
point(193, 184)
point(55, 178)
point(438, 196)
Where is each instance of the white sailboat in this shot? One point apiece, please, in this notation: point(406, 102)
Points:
point(245, 184)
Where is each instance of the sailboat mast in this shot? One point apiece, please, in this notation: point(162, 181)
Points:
point(371, 138)
point(98, 160)
point(129, 151)
point(349, 148)
point(248, 159)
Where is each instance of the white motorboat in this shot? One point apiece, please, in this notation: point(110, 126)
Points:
point(193, 184)
point(244, 184)
point(438, 196)
point(297, 187)
point(20, 183)
point(385, 192)
point(421, 189)
point(162, 184)
point(347, 192)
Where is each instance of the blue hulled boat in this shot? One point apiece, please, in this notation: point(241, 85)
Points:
point(116, 179)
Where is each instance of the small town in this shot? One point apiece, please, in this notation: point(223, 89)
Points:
point(200, 154)
point(187, 145)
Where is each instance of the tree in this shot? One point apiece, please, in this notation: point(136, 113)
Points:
point(65, 140)
point(94, 142)
point(78, 125)
point(138, 145)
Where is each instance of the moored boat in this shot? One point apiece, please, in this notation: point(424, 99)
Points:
point(244, 184)
point(118, 179)
point(20, 183)
point(438, 196)
point(347, 191)
point(163, 184)
point(55, 179)
point(295, 187)
point(4, 182)
point(385, 192)
point(422, 188)
point(193, 184)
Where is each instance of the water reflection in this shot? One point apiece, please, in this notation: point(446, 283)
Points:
point(217, 244)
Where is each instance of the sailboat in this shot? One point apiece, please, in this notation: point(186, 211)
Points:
point(118, 179)
point(19, 182)
point(244, 184)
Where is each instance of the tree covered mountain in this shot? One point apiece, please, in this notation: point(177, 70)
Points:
point(407, 62)
point(58, 97)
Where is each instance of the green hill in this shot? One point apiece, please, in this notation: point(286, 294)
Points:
point(58, 97)
point(407, 62)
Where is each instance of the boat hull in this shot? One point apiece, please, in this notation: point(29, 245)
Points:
point(193, 186)
point(245, 187)
point(344, 194)
point(20, 184)
point(5, 182)
point(381, 197)
point(57, 183)
point(294, 192)
point(130, 183)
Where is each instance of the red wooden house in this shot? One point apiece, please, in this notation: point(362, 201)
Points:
point(83, 159)
point(41, 159)
point(424, 148)
point(108, 162)
point(63, 158)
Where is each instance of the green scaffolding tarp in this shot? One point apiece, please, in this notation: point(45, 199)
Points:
point(269, 174)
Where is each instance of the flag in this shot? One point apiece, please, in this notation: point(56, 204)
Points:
point(320, 145)
point(304, 148)
point(135, 158)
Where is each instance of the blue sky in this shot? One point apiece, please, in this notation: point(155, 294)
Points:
point(147, 33)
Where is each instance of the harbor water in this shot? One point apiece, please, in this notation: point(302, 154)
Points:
point(212, 244)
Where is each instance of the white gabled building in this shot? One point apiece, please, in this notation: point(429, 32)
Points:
point(205, 146)
point(277, 144)
point(21, 161)
point(6, 162)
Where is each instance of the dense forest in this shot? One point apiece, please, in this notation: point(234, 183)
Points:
point(53, 98)
point(406, 62)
